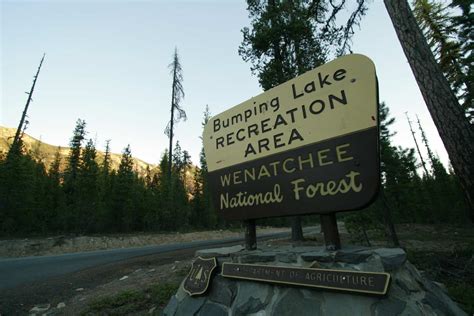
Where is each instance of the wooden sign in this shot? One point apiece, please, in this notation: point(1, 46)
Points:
point(309, 145)
point(197, 281)
point(341, 280)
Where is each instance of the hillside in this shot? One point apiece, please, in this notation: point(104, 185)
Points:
point(45, 152)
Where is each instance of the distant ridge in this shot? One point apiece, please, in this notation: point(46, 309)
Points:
point(45, 153)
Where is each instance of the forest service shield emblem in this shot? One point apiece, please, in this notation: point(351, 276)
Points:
point(198, 279)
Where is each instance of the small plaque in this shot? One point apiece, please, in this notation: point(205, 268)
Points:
point(341, 280)
point(197, 281)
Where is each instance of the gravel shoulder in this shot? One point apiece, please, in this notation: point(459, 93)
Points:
point(12, 248)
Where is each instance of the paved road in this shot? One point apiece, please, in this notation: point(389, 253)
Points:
point(17, 271)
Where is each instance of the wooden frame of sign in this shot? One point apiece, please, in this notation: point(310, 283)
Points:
point(309, 145)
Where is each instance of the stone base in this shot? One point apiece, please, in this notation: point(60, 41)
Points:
point(409, 293)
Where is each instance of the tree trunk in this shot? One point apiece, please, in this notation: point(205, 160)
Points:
point(250, 234)
point(453, 127)
point(170, 158)
point(390, 231)
point(23, 116)
point(296, 229)
point(330, 231)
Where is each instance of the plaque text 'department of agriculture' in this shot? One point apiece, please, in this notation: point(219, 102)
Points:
point(341, 280)
point(309, 145)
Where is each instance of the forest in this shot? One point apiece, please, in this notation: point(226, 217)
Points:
point(88, 196)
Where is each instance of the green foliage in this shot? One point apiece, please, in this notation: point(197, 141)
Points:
point(453, 268)
point(74, 156)
point(162, 292)
point(22, 186)
point(203, 213)
point(288, 38)
point(464, 294)
point(406, 196)
point(359, 223)
point(451, 39)
point(121, 304)
point(131, 302)
point(89, 197)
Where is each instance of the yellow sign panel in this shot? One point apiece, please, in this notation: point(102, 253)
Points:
point(336, 99)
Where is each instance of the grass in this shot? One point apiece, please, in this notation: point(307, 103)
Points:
point(161, 293)
point(120, 304)
point(464, 294)
point(133, 302)
point(453, 268)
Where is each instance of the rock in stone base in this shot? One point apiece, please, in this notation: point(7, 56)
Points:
point(40, 308)
point(409, 293)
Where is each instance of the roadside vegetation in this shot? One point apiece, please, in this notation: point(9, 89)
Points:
point(141, 299)
point(134, 302)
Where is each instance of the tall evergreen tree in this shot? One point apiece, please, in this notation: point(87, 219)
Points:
point(74, 159)
point(105, 167)
point(203, 209)
point(87, 196)
point(105, 180)
point(434, 20)
point(464, 23)
point(453, 127)
point(55, 193)
point(20, 184)
point(122, 196)
point(439, 26)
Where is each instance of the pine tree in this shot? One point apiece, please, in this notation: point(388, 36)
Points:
point(197, 206)
point(434, 20)
point(105, 177)
point(464, 24)
point(443, 33)
point(122, 196)
point(20, 189)
point(174, 208)
point(288, 38)
point(203, 209)
point(55, 193)
point(163, 194)
point(453, 127)
point(87, 196)
point(105, 167)
point(74, 159)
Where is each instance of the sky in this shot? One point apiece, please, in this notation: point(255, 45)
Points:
point(107, 63)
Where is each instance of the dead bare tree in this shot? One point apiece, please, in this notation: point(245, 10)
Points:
point(177, 94)
point(20, 128)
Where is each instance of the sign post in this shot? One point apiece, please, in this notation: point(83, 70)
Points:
point(309, 145)
point(331, 234)
point(250, 234)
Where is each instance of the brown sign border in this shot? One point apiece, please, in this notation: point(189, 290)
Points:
point(385, 274)
point(213, 259)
